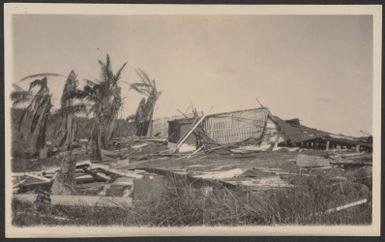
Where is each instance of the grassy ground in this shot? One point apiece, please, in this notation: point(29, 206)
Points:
point(182, 204)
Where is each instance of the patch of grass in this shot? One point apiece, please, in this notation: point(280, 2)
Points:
point(183, 204)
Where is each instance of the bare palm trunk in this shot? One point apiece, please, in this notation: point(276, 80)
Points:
point(110, 130)
point(70, 132)
point(64, 183)
point(38, 136)
point(96, 144)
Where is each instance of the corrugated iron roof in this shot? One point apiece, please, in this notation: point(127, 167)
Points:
point(299, 133)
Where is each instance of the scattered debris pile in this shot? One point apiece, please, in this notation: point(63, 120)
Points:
point(95, 183)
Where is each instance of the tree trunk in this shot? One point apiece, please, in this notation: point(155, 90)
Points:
point(68, 137)
point(96, 144)
point(64, 183)
point(38, 136)
point(110, 130)
point(147, 114)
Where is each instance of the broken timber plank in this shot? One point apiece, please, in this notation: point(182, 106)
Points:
point(38, 177)
point(79, 165)
point(189, 132)
point(195, 151)
point(108, 170)
point(44, 216)
point(343, 207)
point(87, 201)
point(98, 175)
point(34, 173)
point(309, 161)
point(352, 163)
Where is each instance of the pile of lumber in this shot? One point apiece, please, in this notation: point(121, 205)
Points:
point(96, 185)
point(87, 175)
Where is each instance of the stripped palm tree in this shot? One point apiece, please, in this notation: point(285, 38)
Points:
point(104, 98)
point(64, 183)
point(33, 121)
point(66, 127)
point(145, 111)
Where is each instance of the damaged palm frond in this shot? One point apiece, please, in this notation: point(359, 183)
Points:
point(145, 110)
point(69, 89)
point(33, 121)
point(39, 82)
point(119, 72)
point(103, 99)
point(20, 96)
point(46, 74)
point(75, 109)
point(17, 87)
point(91, 83)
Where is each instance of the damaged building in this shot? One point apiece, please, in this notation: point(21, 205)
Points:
point(256, 126)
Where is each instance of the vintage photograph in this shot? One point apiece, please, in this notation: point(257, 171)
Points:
point(169, 118)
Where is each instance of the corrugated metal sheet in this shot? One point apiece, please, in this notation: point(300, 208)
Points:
point(232, 127)
point(298, 133)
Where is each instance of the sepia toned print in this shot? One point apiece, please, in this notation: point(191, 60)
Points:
point(210, 120)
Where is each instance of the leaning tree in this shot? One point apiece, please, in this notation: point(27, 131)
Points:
point(33, 121)
point(145, 110)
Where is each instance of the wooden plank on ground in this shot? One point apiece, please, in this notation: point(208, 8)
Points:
point(343, 207)
point(87, 201)
point(108, 170)
point(311, 161)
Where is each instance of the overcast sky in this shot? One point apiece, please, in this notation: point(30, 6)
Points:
point(316, 68)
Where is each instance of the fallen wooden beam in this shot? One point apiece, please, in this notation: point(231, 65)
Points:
point(349, 154)
point(79, 165)
point(34, 173)
point(44, 216)
point(189, 132)
point(343, 207)
point(159, 140)
point(108, 170)
point(195, 151)
point(352, 163)
point(138, 146)
point(98, 175)
point(311, 161)
point(41, 184)
point(87, 201)
point(85, 179)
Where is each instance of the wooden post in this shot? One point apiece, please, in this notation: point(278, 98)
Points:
point(327, 144)
point(358, 148)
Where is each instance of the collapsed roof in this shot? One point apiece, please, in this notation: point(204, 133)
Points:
point(258, 124)
point(294, 132)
